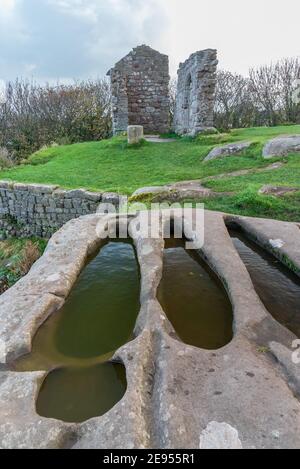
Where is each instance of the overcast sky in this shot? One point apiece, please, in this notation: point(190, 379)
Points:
point(52, 40)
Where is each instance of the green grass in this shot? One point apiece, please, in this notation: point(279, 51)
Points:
point(16, 257)
point(249, 203)
point(111, 165)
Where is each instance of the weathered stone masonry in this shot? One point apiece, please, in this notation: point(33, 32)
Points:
point(33, 209)
point(140, 91)
point(196, 93)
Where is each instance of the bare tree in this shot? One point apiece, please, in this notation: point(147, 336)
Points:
point(173, 93)
point(289, 73)
point(265, 87)
point(234, 106)
point(35, 115)
point(266, 97)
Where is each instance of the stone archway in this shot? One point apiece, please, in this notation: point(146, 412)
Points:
point(196, 92)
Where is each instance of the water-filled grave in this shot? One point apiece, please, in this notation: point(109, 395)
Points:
point(276, 285)
point(194, 298)
point(76, 342)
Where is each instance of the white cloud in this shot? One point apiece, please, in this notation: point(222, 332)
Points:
point(7, 7)
point(7, 4)
point(131, 23)
point(246, 34)
point(115, 26)
point(50, 39)
point(79, 8)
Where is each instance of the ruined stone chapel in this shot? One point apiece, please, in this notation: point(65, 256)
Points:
point(140, 92)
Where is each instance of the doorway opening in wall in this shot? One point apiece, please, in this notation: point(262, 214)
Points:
point(187, 102)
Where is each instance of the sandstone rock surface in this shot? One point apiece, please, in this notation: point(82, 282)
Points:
point(228, 150)
point(174, 192)
point(277, 190)
point(282, 146)
point(220, 436)
point(174, 391)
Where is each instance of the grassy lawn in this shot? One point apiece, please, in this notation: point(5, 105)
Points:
point(111, 165)
point(249, 203)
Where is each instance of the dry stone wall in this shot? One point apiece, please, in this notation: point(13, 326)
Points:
point(196, 93)
point(39, 210)
point(140, 91)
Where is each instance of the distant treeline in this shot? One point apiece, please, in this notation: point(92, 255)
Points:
point(269, 96)
point(32, 116)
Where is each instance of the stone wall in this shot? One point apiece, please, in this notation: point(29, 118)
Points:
point(140, 91)
point(38, 210)
point(196, 93)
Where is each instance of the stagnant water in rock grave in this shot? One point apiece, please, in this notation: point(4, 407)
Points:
point(194, 299)
point(275, 284)
point(97, 318)
point(78, 394)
